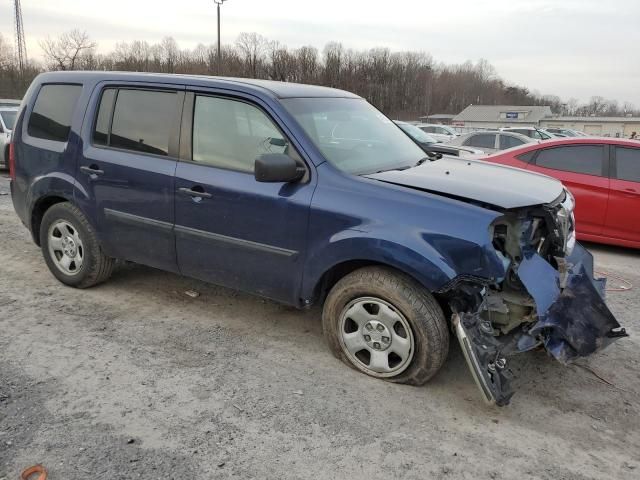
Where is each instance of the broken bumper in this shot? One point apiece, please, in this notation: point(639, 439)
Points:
point(572, 321)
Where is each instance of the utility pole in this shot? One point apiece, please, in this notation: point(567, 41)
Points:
point(21, 47)
point(218, 3)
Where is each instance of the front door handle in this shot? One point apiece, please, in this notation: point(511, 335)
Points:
point(196, 191)
point(92, 170)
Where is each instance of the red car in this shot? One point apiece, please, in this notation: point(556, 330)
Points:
point(603, 174)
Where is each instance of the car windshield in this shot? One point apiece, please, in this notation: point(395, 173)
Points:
point(544, 135)
point(353, 135)
point(9, 119)
point(415, 133)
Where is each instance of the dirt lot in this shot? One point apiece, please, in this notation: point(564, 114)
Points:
point(135, 379)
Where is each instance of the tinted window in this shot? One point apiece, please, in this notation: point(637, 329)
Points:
point(232, 134)
point(578, 158)
point(52, 112)
point(101, 132)
point(507, 141)
point(628, 164)
point(9, 119)
point(526, 157)
point(142, 121)
point(482, 140)
point(428, 129)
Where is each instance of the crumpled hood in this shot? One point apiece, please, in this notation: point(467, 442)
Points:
point(497, 185)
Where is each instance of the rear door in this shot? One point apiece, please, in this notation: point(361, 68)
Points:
point(127, 167)
point(583, 169)
point(231, 229)
point(623, 213)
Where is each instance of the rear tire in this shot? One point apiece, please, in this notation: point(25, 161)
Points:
point(70, 247)
point(383, 323)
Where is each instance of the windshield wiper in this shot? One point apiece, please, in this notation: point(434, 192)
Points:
point(431, 157)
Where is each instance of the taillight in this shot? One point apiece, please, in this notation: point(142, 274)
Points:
point(12, 161)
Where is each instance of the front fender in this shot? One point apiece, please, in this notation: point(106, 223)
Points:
point(437, 262)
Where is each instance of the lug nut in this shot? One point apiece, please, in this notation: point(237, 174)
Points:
point(369, 326)
point(367, 338)
point(376, 345)
point(385, 339)
point(380, 327)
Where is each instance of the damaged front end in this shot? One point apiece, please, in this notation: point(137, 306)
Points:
point(548, 297)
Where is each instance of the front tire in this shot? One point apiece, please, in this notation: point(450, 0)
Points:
point(383, 323)
point(71, 249)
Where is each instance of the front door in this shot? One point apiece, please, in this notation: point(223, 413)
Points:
point(127, 171)
point(231, 229)
point(623, 214)
point(583, 169)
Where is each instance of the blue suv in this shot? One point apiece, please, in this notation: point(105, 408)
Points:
point(305, 194)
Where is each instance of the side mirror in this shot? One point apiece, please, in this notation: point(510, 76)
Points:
point(277, 167)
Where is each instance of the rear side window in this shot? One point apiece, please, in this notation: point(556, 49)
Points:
point(628, 164)
point(142, 121)
point(103, 122)
point(232, 134)
point(526, 157)
point(52, 112)
point(136, 120)
point(587, 159)
point(507, 141)
point(482, 140)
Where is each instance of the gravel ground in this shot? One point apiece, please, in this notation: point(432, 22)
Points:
point(135, 379)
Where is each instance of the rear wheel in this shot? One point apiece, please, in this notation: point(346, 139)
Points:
point(386, 325)
point(71, 249)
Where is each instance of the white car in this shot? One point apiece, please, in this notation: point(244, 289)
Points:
point(491, 141)
point(7, 119)
point(531, 132)
point(442, 133)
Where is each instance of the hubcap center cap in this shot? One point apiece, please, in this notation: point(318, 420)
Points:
point(69, 247)
point(376, 335)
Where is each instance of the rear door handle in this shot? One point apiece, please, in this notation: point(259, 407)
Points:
point(197, 191)
point(92, 170)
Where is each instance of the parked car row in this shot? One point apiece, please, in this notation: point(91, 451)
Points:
point(430, 145)
point(305, 195)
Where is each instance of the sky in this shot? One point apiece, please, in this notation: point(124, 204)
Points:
point(570, 48)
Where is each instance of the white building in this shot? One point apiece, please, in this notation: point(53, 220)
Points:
point(496, 116)
point(601, 126)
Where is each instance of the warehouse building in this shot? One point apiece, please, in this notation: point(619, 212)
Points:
point(601, 126)
point(479, 117)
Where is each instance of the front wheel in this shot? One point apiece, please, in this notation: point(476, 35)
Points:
point(386, 325)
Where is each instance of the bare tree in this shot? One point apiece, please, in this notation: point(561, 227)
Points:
point(62, 53)
point(252, 47)
point(6, 54)
point(404, 85)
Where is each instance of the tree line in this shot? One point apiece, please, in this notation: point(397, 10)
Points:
point(401, 84)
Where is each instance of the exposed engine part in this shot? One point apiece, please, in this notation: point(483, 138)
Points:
point(548, 296)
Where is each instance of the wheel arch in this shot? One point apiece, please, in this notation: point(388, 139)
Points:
point(321, 278)
point(38, 210)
